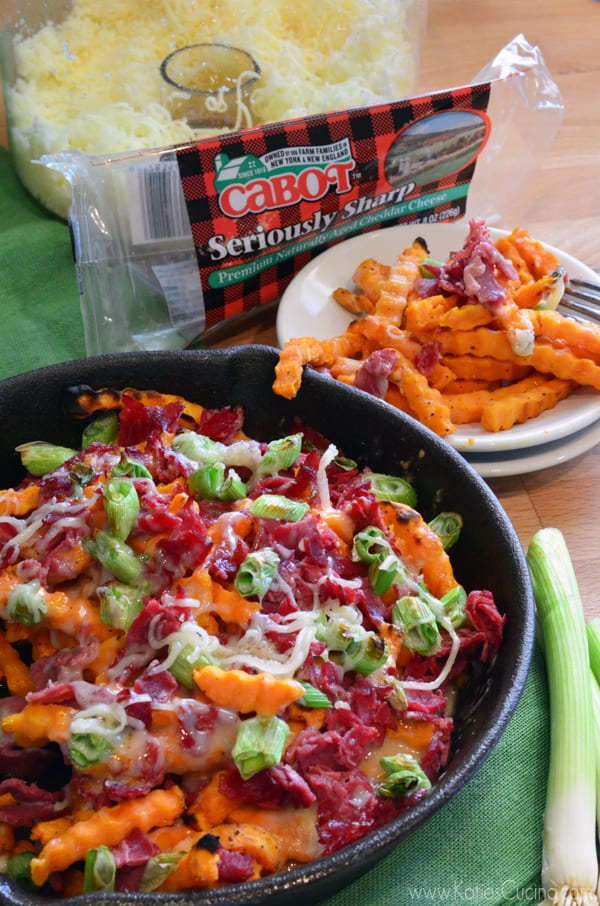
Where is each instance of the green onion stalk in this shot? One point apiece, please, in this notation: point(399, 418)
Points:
point(99, 871)
point(403, 776)
point(393, 489)
point(448, 527)
point(25, 604)
point(569, 861)
point(39, 457)
point(276, 506)
point(259, 744)
point(115, 555)
point(122, 506)
point(280, 454)
point(257, 572)
point(104, 429)
point(593, 636)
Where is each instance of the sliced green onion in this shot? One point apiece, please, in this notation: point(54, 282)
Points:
point(404, 775)
point(25, 604)
point(259, 744)
point(345, 463)
point(86, 749)
point(448, 526)
point(280, 454)
point(313, 697)
point(199, 448)
point(383, 573)
point(99, 871)
point(256, 573)
point(130, 467)
point(103, 429)
point(119, 604)
point(393, 489)
point(275, 506)
point(122, 506)
point(157, 869)
point(352, 647)
point(94, 733)
point(116, 556)
point(18, 868)
point(39, 457)
point(416, 619)
point(569, 863)
point(453, 604)
point(210, 482)
point(372, 547)
point(188, 660)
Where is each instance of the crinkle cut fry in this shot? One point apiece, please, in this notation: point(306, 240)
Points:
point(556, 327)
point(381, 331)
point(420, 546)
point(481, 341)
point(108, 826)
point(83, 401)
point(469, 407)
point(425, 314)
point(265, 847)
point(500, 414)
point(247, 692)
point(309, 351)
point(368, 277)
point(476, 368)
point(13, 670)
point(538, 259)
point(563, 363)
point(355, 303)
point(198, 868)
point(545, 358)
point(425, 401)
point(398, 288)
point(39, 723)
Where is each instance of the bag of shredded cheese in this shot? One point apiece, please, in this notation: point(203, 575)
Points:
point(175, 242)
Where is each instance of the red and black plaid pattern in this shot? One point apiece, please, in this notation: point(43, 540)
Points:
point(376, 137)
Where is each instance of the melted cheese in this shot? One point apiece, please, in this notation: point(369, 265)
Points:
point(93, 81)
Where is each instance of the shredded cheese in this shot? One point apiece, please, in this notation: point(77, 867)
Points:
point(93, 83)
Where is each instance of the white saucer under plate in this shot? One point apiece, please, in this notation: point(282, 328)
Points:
point(307, 308)
point(534, 459)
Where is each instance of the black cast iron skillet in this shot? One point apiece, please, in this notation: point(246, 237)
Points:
point(488, 555)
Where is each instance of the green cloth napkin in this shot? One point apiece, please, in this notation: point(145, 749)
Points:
point(484, 847)
point(40, 318)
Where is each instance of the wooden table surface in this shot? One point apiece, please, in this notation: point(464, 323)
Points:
point(562, 208)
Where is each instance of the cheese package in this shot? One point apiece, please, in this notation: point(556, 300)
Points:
point(174, 244)
point(124, 76)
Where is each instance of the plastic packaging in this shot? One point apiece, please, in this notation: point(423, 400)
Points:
point(171, 242)
point(102, 78)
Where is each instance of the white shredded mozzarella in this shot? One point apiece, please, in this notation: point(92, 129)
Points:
point(100, 720)
point(322, 484)
point(255, 651)
point(189, 634)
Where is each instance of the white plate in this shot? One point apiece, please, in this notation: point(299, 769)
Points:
point(307, 308)
point(536, 458)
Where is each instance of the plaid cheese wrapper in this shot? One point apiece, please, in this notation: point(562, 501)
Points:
point(174, 244)
point(263, 202)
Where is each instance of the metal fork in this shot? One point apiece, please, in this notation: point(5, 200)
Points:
point(581, 300)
